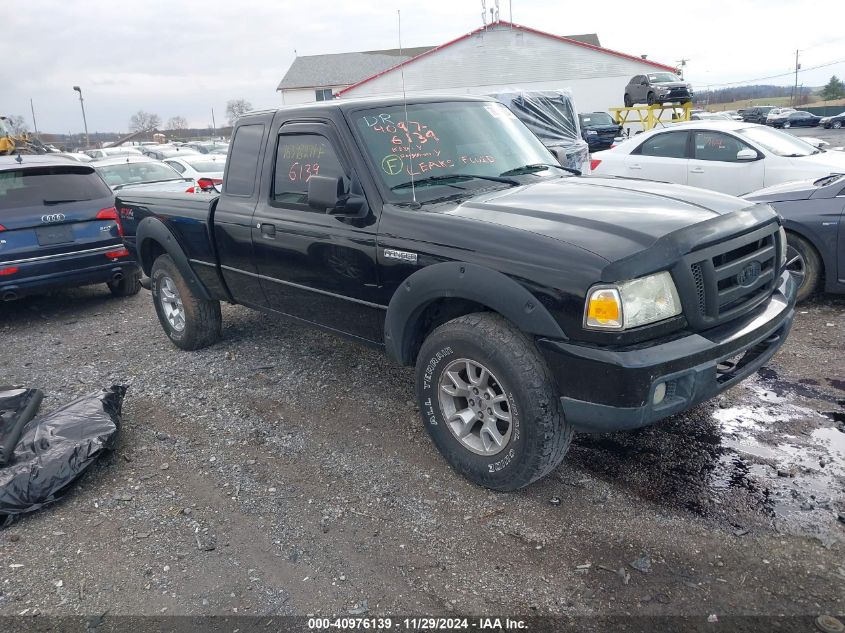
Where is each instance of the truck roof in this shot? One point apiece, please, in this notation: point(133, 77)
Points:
point(345, 105)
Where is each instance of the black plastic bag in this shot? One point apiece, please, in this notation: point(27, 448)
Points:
point(55, 449)
point(17, 407)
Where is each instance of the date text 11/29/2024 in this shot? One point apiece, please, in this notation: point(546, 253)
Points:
point(417, 624)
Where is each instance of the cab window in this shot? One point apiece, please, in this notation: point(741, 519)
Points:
point(298, 158)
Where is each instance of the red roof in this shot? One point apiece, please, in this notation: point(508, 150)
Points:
point(515, 26)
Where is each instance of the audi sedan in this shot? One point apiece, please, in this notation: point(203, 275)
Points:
point(58, 228)
point(727, 156)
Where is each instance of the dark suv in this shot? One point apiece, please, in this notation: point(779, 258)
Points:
point(662, 87)
point(59, 227)
point(756, 114)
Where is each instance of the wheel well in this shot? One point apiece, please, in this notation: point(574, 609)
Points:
point(150, 251)
point(436, 314)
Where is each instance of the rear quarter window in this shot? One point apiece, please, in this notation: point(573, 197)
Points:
point(44, 186)
point(243, 160)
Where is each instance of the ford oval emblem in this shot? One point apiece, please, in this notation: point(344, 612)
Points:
point(749, 274)
point(53, 217)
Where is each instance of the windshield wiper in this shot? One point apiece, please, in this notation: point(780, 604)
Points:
point(528, 169)
point(444, 177)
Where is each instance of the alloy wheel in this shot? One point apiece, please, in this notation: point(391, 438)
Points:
point(171, 304)
point(475, 406)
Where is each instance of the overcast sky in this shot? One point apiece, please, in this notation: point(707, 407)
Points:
point(185, 57)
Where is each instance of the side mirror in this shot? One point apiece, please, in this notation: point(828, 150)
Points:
point(746, 154)
point(325, 192)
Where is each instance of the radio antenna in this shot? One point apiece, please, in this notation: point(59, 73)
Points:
point(405, 103)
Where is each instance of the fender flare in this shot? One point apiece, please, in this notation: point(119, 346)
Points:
point(152, 228)
point(472, 282)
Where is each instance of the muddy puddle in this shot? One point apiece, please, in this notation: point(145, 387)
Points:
point(766, 454)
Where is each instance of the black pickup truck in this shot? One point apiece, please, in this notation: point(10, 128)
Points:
point(533, 302)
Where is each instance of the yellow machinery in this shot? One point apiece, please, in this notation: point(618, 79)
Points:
point(7, 141)
point(652, 116)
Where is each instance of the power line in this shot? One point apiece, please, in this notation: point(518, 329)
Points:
point(786, 74)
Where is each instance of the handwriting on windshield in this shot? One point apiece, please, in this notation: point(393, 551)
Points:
point(303, 151)
point(303, 171)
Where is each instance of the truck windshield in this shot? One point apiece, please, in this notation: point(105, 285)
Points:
point(459, 138)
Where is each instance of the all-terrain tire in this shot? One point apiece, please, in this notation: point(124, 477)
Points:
point(810, 265)
point(539, 436)
point(190, 321)
point(126, 287)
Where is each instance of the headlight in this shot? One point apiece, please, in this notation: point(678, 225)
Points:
point(782, 239)
point(633, 303)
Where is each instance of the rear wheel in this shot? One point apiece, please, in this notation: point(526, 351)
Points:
point(805, 265)
point(126, 287)
point(489, 402)
point(190, 321)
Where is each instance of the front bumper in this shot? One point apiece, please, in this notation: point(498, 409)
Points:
point(610, 390)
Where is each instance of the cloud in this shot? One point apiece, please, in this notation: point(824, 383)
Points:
point(185, 58)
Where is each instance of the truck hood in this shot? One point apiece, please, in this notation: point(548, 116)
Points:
point(610, 217)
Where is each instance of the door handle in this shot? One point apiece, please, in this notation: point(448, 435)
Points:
point(696, 170)
point(634, 167)
point(268, 230)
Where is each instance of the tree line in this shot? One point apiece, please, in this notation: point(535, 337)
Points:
point(143, 121)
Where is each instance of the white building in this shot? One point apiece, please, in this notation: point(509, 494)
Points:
point(504, 55)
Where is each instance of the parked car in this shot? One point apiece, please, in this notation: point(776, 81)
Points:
point(167, 151)
point(59, 228)
point(795, 119)
point(756, 114)
point(662, 87)
point(733, 114)
point(531, 301)
point(776, 113)
point(835, 122)
point(726, 156)
point(710, 116)
point(111, 152)
point(199, 167)
point(77, 156)
point(814, 213)
point(551, 115)
point(207, 147)
point(142, 172)
point(599, 130)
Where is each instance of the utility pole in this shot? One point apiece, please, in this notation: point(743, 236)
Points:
point(681, 63)
point(34, 124)
point(795, 89)
point(213, 125)
point(84, 121)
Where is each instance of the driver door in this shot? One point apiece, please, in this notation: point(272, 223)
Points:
point(315, 265)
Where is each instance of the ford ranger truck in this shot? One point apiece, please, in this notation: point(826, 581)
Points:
point(533, 302)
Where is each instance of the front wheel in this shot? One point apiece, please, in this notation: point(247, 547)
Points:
point(650, 98)
point(787, 124)
point(489, 402)
point(190, 321)
point(805, 265)
point(836, 125)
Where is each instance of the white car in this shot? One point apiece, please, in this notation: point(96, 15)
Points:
point(199, 166)
point(141, 172)
point(726, 156)
point(777, 113)
point(111, 152)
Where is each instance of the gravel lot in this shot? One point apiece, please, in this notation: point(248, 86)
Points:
point(286, 471)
